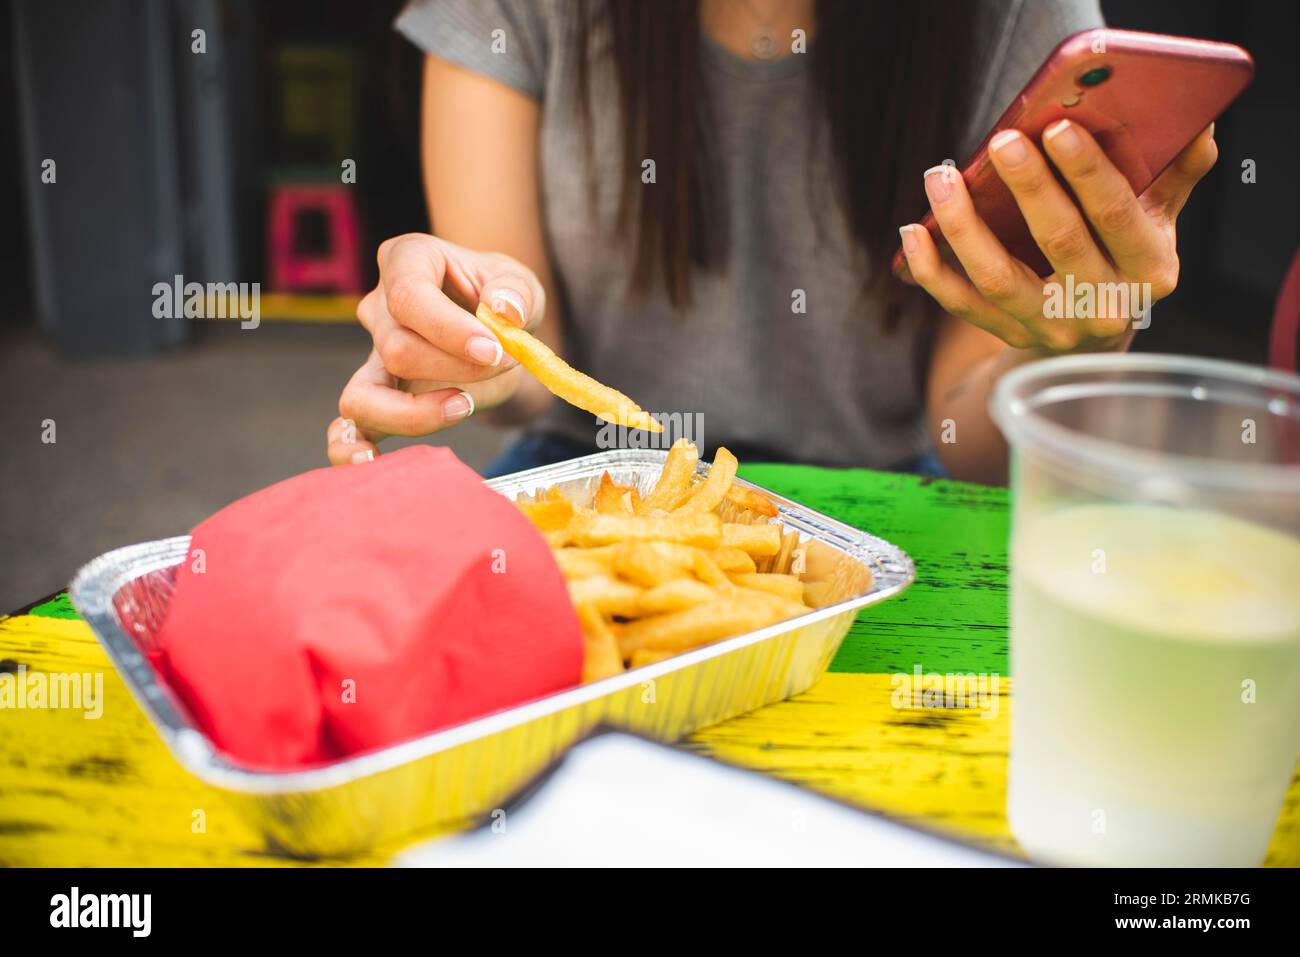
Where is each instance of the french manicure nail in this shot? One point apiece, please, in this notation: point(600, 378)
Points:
point(910, 244)
point(1064, 137)
point(459, 406)
point(484, 350)
point(938, 185)
point(367, 456)
point(508, 297)
point(1009, 146)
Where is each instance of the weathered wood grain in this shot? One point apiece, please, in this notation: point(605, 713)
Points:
point(81, 793)
point(955, 617)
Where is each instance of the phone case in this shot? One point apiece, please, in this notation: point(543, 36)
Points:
point(1157, 94)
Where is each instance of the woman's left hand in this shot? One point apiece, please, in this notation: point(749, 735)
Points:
point(1001, 294)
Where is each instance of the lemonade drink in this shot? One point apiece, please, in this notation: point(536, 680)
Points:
point(1156, 703)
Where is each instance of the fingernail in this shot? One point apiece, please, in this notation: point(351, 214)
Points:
point(459, 406)
point(1064, 137)
point(367, 456)
point(484, 350)
point(939, 187)
point(910, 244)
point(503, 298)
point(1009, 147)
point(1211, 131)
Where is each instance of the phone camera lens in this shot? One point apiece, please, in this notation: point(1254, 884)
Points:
point(1095, 76)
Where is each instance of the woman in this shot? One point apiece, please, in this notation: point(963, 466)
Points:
point(701, 198)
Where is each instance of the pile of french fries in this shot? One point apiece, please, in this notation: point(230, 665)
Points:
point(655, 576)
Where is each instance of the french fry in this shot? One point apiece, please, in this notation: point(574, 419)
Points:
point(557, 538)
point(733, 560)
point(757, 540)
point(697, 625)
point(609, 596)
point(707, 571)
point(674, 481)
point(585, 562)
point(675, 552)
point(678, 553)
point(727, 559)
point(708, 494)
point(781, 608)
point(816, 594)
point(563, 380)
point(673, 596)
point(645, 566)
point(548, 515)
point(786, 586)
point(704, 531)
point(601, 657)
point(614, 499)
point(560, 537)
point(644, 656)
point(749, 499)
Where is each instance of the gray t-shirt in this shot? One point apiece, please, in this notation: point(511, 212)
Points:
point(824, 385)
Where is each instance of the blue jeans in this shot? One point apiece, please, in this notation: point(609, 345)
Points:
point(535, 449)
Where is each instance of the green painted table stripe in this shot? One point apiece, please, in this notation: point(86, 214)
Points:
point(955, 617)
point(57, 607)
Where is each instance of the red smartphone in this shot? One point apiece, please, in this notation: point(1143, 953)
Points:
point(1144, 96)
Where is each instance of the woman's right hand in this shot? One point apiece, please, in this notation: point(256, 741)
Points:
point(432, 363)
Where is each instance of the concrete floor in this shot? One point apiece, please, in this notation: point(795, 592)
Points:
point(147, 447)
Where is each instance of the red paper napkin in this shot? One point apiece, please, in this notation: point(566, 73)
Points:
point(350, 608)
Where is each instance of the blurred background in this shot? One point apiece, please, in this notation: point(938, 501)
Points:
point(225, 164)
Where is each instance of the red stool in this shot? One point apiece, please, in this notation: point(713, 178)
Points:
point(294, 266)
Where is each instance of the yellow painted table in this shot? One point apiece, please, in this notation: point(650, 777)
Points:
point(80, 792)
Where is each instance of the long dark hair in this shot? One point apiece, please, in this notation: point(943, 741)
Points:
point(892, 79)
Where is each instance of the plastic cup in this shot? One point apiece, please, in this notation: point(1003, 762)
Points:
point(1155, 607)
